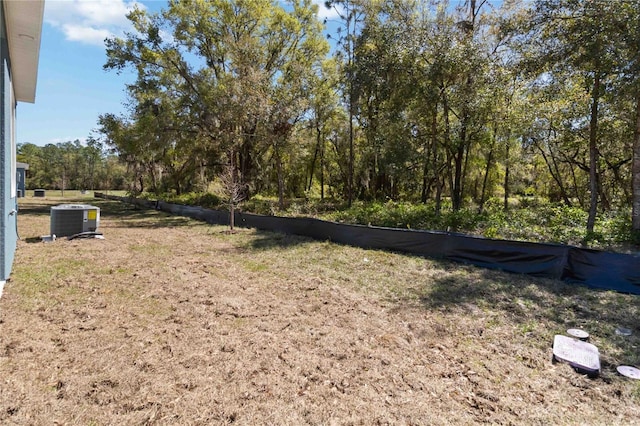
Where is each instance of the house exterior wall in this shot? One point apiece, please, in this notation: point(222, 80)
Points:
point(8, 200)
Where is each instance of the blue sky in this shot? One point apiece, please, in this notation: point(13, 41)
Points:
point(73, 89)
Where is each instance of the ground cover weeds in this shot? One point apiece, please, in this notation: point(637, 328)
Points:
point(206, 327)
point(202, 199)
point(551, 223)
point(527, 219)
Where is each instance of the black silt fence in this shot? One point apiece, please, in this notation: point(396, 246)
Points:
point(593, 268)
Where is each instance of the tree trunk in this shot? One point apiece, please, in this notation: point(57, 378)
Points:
point(351, 154)
point(458, 156)
point(315, 157)
point(487, 170)
point(604, 196)
point(577, 191)
point(322, 169)
point(431, 149)
point(464, 144)
point(447, 139)
point(593, 155)
point(439, 188)
point(231, 183)
point(462, 151)
point(425, 172)
point(231, 215)
point(280, 177)
point(507, 169)
point(552, 166)
point(245, 163)
point(635, 215)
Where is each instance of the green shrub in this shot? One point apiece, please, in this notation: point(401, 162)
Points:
point(206, 199)
point(528, 219)
point(209, 200)
point(261, 205)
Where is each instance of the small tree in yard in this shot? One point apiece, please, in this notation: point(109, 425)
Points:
point(233, 191)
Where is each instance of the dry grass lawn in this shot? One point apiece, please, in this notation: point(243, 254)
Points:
point(171, 321)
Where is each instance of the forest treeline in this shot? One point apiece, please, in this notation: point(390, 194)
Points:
point(440, 102)
point(72, 165)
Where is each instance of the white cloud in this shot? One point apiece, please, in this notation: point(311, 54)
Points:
point(327, 13)
point(86, 34)
point(90, 21)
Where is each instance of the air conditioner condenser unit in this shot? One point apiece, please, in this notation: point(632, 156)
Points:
point(72, 219)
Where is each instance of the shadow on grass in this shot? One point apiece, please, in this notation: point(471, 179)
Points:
point(469, 284)
point(522, 298)
point(265, 240)
point(32, 240)
point(544, 307)
point(121, 215)
point(35, 209)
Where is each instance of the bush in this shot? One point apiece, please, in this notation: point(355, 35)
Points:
point(202, 199)
point(535, 219)
point(261, 205)
point(617, 227)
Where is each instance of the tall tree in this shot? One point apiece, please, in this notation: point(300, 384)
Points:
point(350, 13)
point(222, 64)
point(325, 109)
point(630, 35)
point(578, 35)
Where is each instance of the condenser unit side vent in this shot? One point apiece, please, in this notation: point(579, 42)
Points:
point(71, 219)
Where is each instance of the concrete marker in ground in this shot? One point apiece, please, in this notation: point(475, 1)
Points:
point(579, 334)
point(629, 371)
point(582, 356)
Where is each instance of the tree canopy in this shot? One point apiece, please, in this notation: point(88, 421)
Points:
point(450, 103)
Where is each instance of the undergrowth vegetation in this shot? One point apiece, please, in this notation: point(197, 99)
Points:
point(527, 219)
point(202, 199)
